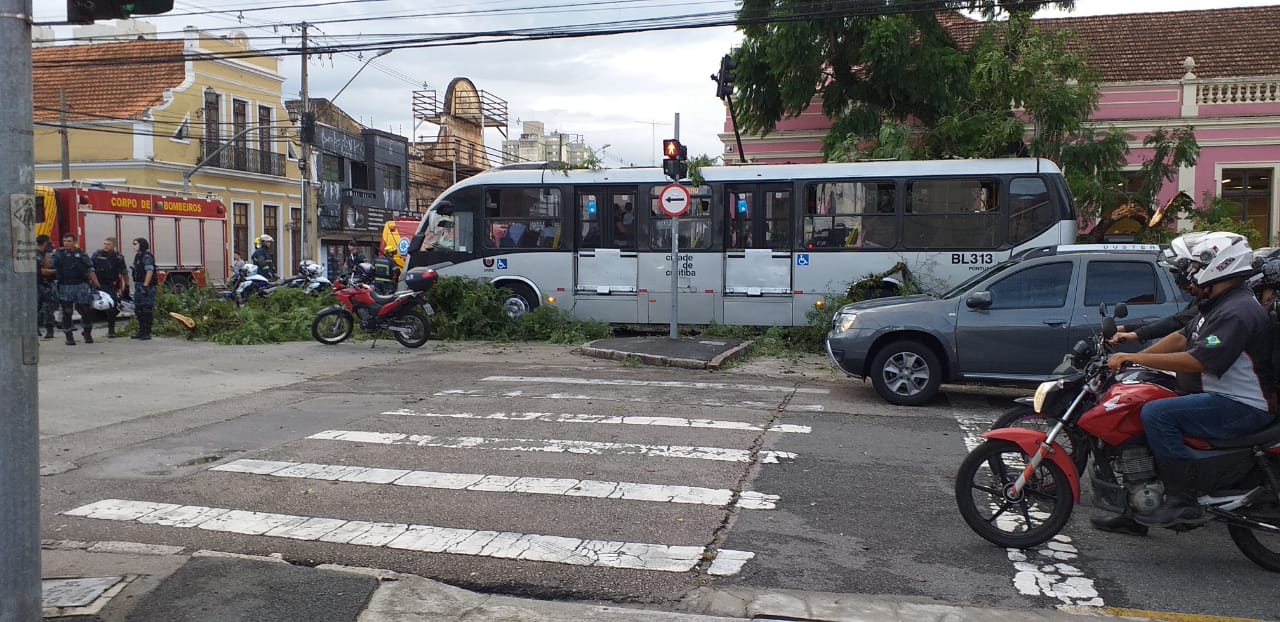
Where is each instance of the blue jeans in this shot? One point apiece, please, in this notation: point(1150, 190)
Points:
point(1202, 415)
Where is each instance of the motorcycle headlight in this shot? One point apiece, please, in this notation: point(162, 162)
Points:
point(1043, 392)
point(845, 321)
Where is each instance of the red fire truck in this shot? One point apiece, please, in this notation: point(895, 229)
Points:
point(188, 235)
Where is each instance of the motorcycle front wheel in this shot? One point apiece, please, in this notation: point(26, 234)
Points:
point(985, 497)
point(332, 326)
point(1023, 416)
point(419, 333)
point(1261, 547)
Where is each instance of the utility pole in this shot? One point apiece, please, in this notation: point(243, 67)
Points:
point(62, 129)
point(306, 154)
point(675, 261)
point(20, 599)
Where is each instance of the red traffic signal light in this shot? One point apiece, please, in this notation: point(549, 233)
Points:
point(673, 150)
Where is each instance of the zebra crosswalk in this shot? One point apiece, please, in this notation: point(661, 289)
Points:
point(615, 448)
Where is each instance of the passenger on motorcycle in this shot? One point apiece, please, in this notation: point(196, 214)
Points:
point(1223, 362)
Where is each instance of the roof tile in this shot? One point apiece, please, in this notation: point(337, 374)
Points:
point(105, 80)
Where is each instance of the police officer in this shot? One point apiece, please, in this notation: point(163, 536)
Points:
point(353, 258)
point(265, 258)
point(112, 274)
point(144, 287)
point(74, 271)
point(46, 291)
point(385, 272)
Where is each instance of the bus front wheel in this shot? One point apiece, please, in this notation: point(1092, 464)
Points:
point(518, 299)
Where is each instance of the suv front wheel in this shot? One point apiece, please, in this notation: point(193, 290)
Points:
point(906, 373)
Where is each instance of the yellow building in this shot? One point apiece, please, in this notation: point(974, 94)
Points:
point(144, 113)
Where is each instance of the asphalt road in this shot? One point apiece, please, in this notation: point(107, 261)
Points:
point(527, 470)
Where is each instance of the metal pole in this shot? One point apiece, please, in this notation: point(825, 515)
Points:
point(675, 261)
point(20, 599)
point(306, 154)
point(66, 147)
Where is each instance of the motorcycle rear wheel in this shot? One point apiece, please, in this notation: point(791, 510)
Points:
point(1023, 416)
point(1039, 514)
point(421, 330)
point(332, 326)
point(1261, 547)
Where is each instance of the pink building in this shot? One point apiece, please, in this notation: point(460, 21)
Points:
point(1215, 70)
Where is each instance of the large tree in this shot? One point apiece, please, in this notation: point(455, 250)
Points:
point(895, 83)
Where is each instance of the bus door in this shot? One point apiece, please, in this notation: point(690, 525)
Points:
point(605, 278)
point(757, 258)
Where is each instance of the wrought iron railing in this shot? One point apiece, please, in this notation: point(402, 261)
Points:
point(240, 158)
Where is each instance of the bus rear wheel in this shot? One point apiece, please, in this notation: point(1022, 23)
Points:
point(518, 299)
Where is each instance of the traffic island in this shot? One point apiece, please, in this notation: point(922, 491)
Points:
point(709, 353)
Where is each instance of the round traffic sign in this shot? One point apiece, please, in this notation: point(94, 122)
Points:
point(674, 200)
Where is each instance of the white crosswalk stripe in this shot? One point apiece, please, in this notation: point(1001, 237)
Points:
point(626, 491)
point(524, 395)
point(551, 445)
point(657, 383)
point(424, 538)
point(675, 422)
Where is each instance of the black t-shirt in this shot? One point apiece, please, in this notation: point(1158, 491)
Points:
point(1232, 339)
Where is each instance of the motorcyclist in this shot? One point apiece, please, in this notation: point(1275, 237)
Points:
point(385, 272)
point(265, 258)
point(1222, 359)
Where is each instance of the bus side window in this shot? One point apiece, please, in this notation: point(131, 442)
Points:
point(517, 217)
point(952, 213)
point(842, 214)
point(1030, 209)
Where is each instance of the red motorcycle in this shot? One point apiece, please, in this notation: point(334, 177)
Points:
point(405, 313)
point(1017, 489)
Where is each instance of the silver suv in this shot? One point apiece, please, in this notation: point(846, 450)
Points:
point(1010, 324)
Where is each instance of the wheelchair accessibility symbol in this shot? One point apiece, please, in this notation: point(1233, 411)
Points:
point(802, 259)
point(502, 264)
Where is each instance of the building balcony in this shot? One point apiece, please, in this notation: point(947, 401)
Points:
point(240, 158)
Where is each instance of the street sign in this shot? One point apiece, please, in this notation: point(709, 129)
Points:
point(674, 200)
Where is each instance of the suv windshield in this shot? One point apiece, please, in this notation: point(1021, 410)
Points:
point(976, 279)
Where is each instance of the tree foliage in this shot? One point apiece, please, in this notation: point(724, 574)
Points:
point(896, 85)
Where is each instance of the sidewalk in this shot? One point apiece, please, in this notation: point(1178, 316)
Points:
point(151, 583)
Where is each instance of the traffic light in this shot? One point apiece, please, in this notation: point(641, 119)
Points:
point(724, 79)
point(307, 134)
point(86, 11)
point(675, 159)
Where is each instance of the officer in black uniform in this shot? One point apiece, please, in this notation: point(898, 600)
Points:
point(112, 273)
point(47, 294)
point(144, 287)
point(264, 258)
point(385, 272)
point(74, 271)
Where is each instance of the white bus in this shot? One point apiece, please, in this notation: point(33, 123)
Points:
point(760, 245)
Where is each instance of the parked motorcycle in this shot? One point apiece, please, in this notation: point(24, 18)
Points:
point(246, 282)
point(310, 278)
point(405, 313)
point(1019, 487)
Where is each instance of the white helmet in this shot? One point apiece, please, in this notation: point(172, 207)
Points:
point(102, 301)
point(249, 270)
point(266, 238)
point(1220, 256)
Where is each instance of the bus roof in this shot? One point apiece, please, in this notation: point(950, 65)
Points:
point(530, 173)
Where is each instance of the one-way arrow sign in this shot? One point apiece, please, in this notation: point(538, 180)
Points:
point(674, 200)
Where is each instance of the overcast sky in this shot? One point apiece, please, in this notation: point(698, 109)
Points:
point(619, 90)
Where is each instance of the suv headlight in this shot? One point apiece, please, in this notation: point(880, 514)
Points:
point(844, 321)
